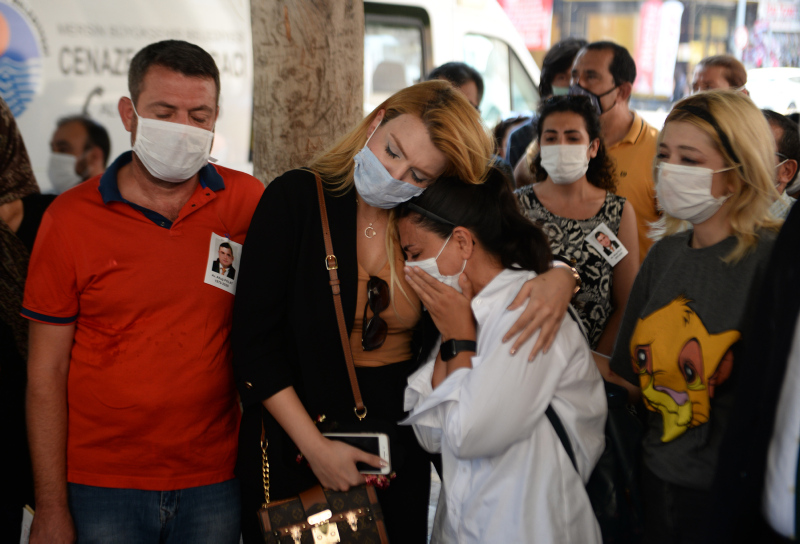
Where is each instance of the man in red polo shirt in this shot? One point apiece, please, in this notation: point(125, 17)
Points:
point(132, 410)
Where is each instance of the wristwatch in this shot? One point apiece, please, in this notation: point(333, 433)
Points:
point(451, 348)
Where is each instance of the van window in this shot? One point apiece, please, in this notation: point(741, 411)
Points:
point(393, 56)
point(507, 87)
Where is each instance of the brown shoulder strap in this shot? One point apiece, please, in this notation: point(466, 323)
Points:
point(332, 265)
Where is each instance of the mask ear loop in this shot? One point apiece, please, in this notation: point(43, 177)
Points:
point(726, 197)
point(588, 148)
point(138, 124)
point(134, 109)
point(444, 246)
point(784, 161)
point(463, 267)
point(373, 133)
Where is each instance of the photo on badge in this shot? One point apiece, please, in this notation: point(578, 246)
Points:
point(606, 244)
point(223, 259)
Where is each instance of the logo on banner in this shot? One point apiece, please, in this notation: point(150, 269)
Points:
point(20, 58)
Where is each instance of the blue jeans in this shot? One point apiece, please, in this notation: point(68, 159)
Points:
point(206, 514)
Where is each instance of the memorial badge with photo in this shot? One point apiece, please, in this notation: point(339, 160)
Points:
point(223, 258)
point(606, 244)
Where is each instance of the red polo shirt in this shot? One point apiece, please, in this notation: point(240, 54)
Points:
point(151, 399)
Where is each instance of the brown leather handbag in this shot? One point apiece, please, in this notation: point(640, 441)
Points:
point(317, 515)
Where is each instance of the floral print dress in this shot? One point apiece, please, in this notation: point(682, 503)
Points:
point(568, 240)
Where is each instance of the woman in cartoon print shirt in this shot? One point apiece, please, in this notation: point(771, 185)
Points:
point(677, 342)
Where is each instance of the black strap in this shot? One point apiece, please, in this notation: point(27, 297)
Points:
point(562, 434)
point(551, 414)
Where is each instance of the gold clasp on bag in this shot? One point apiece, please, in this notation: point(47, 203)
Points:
point(331, 262)
point(321, 531)
point(326, 533)
point(320, 517)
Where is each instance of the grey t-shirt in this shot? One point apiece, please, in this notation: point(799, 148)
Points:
point(686, 310)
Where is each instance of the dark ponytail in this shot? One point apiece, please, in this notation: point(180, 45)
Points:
point(490, 211)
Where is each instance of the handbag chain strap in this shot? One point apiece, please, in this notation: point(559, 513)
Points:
point(333, 265)
point(264, 465)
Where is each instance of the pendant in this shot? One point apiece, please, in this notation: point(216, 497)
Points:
point(369, 232)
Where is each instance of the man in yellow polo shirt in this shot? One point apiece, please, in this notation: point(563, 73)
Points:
point(605, 71)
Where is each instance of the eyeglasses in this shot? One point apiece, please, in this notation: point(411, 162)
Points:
point(373, 333)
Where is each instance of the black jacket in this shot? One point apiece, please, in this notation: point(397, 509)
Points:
point(284, 324)
point(739, 481)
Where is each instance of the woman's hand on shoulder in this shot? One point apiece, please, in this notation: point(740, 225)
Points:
point(547, 297)
point(450, 310)
point(334, 464)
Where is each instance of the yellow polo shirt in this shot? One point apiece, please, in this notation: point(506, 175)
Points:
point(634, 156)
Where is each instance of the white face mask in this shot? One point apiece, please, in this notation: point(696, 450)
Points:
point(565, 164)
point(685, 192)
point(432, 268)
point(61, 171)
point(376, 185)
point(171, 152)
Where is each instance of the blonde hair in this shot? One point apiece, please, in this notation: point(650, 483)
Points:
point(454, 126)
point(753, 146)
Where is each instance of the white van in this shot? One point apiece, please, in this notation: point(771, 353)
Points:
point(405, 39)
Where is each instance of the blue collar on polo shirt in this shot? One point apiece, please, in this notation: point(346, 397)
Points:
point(109, 189)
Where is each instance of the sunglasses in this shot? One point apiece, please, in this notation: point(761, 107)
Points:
point(373, 332)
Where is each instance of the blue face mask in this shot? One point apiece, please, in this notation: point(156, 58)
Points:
point(577, 90)
point(376, 185)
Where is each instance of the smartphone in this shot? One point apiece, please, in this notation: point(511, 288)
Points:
point(375, 443)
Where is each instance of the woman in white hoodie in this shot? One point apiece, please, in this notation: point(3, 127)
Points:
point(507, 476)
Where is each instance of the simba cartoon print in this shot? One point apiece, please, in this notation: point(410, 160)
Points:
point(679, 364)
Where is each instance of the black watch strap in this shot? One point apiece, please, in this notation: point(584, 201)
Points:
point(451, 348)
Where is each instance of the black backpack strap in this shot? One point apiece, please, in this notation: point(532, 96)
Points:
point(562, 434)
point(551, 414)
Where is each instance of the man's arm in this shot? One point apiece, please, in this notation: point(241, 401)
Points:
point(46, 405)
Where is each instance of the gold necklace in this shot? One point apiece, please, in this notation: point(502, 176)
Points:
point(370, 231)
